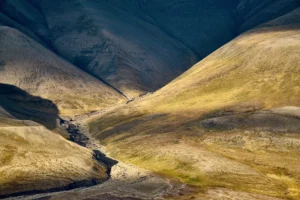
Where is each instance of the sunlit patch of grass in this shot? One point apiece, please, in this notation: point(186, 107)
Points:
point(167, 167)
point(147, 151)
point(187, 173)
point(99, 126)
point(293, 186)
point(70, 105)
point(280, 165)
point(34, 158)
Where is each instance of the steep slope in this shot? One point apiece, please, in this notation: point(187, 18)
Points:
point(115, 46)
point(30, 66)
point(257, 66)
point(231, 121)
point(25, 17)
point(197, 24)
point(32, 157)
point(261, 12)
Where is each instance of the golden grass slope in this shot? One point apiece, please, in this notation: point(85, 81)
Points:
point(259, 70)
point(261, 65)
point(28, 65)
point(32, 157)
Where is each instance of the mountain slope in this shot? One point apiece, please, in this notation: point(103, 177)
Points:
point(197, 24)
point(204, 26)
point(30, 66)
point(257, 66)
point(32, 157)
point(131, 55)
point(230, 121)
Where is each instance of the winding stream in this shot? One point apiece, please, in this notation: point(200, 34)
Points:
point(126, 182)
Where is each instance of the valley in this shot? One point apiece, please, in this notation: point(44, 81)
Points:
point(150, 99)
point(35, 156)
point(134, 183)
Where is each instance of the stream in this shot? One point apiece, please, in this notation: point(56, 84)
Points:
point(126, 181)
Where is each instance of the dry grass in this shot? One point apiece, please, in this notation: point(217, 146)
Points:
point(258, 70)
point(245, 162)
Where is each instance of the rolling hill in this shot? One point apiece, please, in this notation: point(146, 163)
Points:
point(231, 121)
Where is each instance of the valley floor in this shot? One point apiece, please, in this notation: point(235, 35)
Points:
point(129, 182)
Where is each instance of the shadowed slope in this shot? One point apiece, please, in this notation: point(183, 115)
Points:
point(165, 132)
point(114, 45)
point(261, 12)
point(197, 24)
point(204, 26)
point(19, 105)
point(25, 17)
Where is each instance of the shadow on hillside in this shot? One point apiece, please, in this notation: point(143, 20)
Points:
point(99, 156)
point(23, 106)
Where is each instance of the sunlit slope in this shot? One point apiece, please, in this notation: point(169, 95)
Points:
point(260, 66)
point(30, 66)
point(231, 121)
point(33, 157)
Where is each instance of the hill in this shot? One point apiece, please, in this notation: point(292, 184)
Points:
point(34, 158)
point(30, 66)
point(231, 121)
